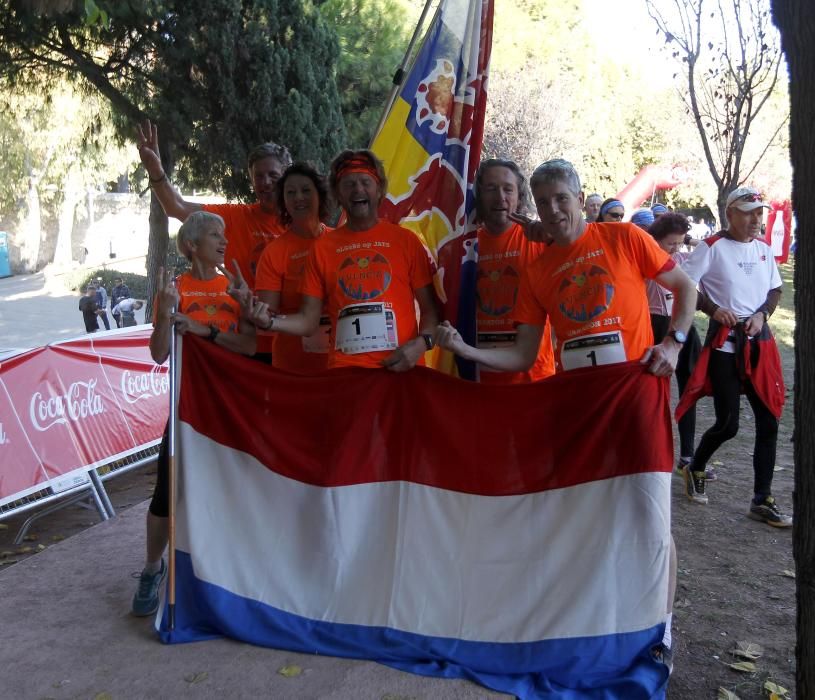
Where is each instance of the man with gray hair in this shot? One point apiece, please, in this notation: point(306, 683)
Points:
point(739, 288)
point(592, 207)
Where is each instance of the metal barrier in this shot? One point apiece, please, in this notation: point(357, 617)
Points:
point(90, 495)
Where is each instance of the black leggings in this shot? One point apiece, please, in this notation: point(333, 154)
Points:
point(727, 386)
point(160, 504)
point(684, 368)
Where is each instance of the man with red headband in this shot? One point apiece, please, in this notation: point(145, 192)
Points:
point(370, 274)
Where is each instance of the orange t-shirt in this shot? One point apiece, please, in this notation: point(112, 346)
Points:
point(281, 269)
point(207, 302)
point(501, 260)
point(593, 292)
point(248, 229)
point(367, 280)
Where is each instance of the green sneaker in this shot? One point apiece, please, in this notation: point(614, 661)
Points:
point(145, 601)
point(768, 512)
point(694, 485)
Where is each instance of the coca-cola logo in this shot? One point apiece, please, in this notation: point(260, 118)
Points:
point(144, 385)
point(80, 401)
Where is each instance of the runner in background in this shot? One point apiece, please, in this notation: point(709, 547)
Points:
point(206, 310)
point(670, 231)
point(611, 211)
point(303, 203)
point(504, 252)
point(739, 288)
point(369, 274)
point(249, 227)
point(592, 207)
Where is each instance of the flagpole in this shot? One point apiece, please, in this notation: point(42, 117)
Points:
point(399, 75)
point(173, 476)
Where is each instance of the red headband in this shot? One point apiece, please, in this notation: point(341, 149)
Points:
point(358, 165)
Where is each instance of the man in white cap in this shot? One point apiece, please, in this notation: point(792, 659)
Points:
point(739, 288)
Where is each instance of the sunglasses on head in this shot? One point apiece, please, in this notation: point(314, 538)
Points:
point(749, 198)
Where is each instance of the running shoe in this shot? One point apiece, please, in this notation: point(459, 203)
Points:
point(767, 511)
point(711, 475)
point(145, 601)
point(694, 485)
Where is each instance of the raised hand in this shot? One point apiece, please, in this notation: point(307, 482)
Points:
point(147, 144)
point(238, 288)
point(166, 294)
point(533, 229)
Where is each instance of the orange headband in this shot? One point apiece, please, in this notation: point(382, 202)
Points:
point(358, 165)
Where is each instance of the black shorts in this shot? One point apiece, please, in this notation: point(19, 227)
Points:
point(160, 505)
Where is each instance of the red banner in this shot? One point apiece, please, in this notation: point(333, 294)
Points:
point(75, 405)
point(778, 230)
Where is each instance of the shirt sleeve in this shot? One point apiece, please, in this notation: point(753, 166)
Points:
point(698, 262)
point(650, 258)
point(528, 308)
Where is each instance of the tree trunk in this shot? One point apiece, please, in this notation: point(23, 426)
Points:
point(156, 251)
point(31, 228)
point(796, 21)
point(70, 198)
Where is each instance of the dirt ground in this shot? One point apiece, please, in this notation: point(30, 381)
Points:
point(735, 581)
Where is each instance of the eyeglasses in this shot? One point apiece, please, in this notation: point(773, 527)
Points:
point(615, 215)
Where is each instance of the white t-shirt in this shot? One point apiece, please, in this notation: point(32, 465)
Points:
point(734, 275)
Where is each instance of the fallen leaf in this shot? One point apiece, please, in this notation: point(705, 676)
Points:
point(103, 696)
point(3, 526)
point(24, 550)
point(3, 562)
point(748, 650)
point(725, 694)
point(196, 677)
point(31, 538)
point(743, 666)
point(6, 553)
point(776, 691)
point(776, 468)
point(290, 671)
point(57, 538)
point(717, 463)
point(40, 547)
point(788, 573)
point(684, 603)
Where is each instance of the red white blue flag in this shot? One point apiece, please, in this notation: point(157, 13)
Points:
point(526, 550)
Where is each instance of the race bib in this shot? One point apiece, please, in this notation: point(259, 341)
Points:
point(318, 341)
point(669, 302)
point(496, 339)
point(366, 328)
point(592, 350)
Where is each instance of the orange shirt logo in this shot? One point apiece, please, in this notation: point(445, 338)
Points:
point(497, 290)
point(585, 292)
point(364, 274)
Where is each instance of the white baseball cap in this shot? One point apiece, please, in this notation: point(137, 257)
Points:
point(745, 199)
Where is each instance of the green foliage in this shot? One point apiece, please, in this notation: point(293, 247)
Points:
point(373, 36)
point(218, 76)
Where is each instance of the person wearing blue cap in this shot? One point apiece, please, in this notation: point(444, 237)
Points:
point(659, 209)
point(612, 211)
point(642, 218)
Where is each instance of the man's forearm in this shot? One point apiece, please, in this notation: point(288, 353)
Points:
point(705, 304)
point(770, 303)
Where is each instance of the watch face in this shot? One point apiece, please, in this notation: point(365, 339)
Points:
point(679, 336)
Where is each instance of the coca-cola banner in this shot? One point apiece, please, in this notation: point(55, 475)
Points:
point(778, 231)
point(75, 405)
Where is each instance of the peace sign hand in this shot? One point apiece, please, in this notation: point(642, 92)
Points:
point(166, 294)
point(147, 144)
point(238, 288)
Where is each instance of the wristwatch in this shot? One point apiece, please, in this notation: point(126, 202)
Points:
point(213, 333)
point(428, 340)
point(678, 336)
